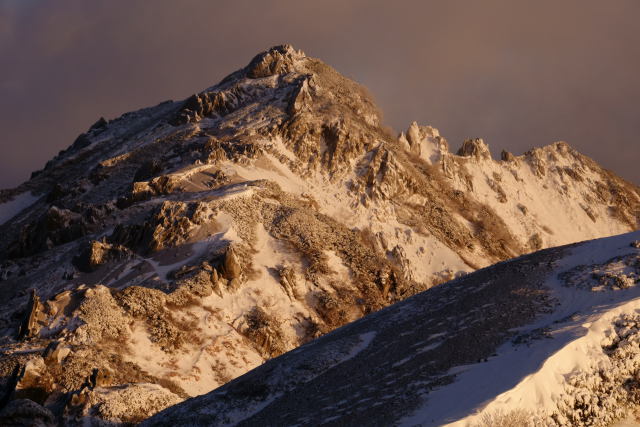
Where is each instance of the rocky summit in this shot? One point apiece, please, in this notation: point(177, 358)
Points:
point(173, 249)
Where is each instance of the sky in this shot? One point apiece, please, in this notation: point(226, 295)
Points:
point(519, 74)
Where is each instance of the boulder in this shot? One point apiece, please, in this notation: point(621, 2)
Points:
point(425, 142)
point(35, 313)
point(475, 147)
point(506, 156)
point(100, 252)
point(231, 266)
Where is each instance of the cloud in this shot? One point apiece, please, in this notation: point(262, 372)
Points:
point(518, 74)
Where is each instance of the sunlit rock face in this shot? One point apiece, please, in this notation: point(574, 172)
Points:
point(548, 339)
point(177, 247)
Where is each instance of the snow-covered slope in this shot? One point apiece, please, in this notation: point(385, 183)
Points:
point(548, 339)
point(179, 246)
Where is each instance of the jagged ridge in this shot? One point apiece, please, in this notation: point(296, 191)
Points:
point(220, 231)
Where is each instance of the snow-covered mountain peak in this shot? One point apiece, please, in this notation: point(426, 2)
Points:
point(185, 244)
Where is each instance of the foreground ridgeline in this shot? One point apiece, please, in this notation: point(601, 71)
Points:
point(548, 339)
point(175, 248)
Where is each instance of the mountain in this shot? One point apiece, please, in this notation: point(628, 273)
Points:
point(175, 248)
point(549, 339)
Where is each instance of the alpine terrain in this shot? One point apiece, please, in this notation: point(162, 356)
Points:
point(173, 249)
point(548, 339)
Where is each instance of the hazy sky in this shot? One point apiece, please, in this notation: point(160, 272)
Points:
point(517, 73)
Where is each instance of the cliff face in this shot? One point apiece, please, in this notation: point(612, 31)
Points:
point(179, 246)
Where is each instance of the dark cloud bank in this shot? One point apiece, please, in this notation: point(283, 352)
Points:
point(519, 74)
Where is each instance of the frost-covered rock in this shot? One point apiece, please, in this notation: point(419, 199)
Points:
point(156, 237)
point(504, 346)
point(476, 148)
point(425, 142)
point(121, 405)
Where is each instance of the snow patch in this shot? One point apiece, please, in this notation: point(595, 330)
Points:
point(365, 340)
point(533, 377)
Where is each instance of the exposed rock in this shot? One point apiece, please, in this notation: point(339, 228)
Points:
point(101, 123)
point(590, 213)
point(616, 281)
point(55, 227)
point(165, 184)
point(34, 383)
point(217, 282)
point(425, 142)
point(99, 253)
point(494, 183)
point(195, 285)
point(523, 209)
point(615, 274)
point(231, 267)
point(302, 99)
point(172, 224)
point(288, 281)
point(202, 105)
point(264, 330)
point(55, 353)
point(121, 405)
point(102, 317)
point(475, 147)
point(169, 225)
point(35, 314)
point(100, 378)
point(537, 161)
point(277, 60)
point(506, 156)
point(385, 177)
point(401, 262)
